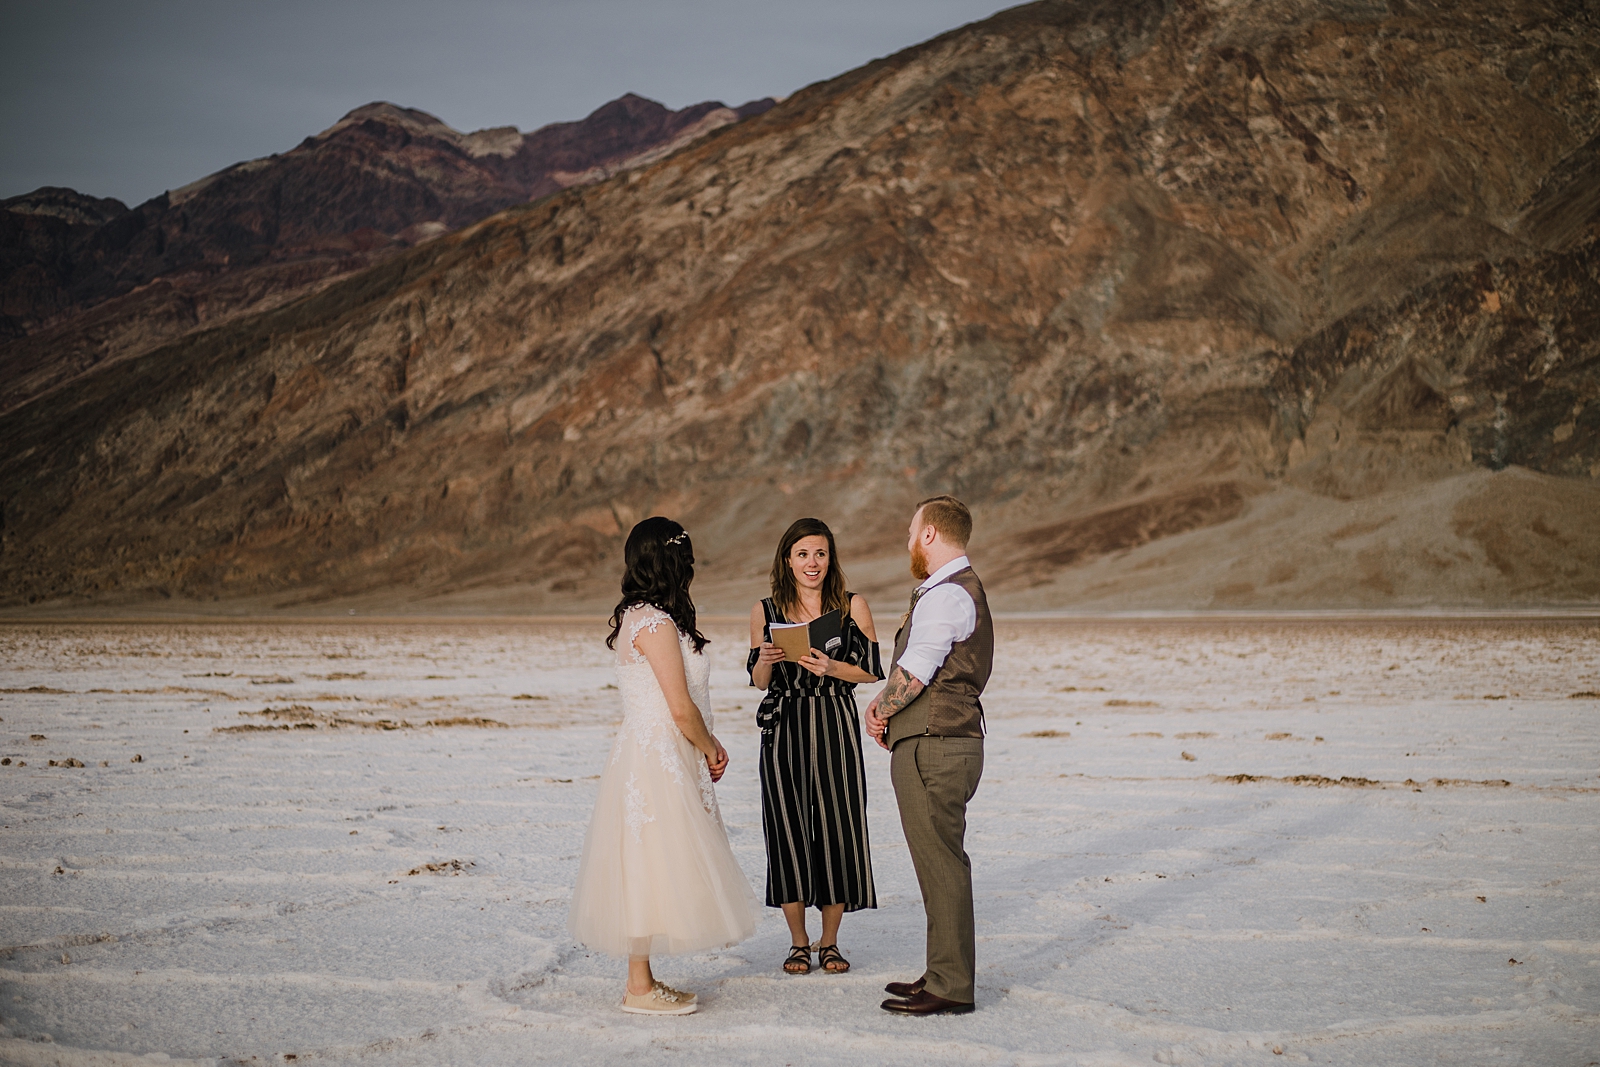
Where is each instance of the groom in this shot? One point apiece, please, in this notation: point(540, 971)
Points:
point(930, 718)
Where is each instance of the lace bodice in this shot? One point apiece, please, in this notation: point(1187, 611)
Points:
point(642, 698)
point(647, 719)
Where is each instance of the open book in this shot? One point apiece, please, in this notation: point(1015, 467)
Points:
point(799, 638)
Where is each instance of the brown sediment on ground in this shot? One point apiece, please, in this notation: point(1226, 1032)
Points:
point(1048, 733)
point(1318, 780)
point(1322, 781)
point(168, 690)
point(257, 727)
point(450, 867)
point(305, 717)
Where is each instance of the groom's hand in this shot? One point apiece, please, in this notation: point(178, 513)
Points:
point(875, 725)
point(897, 693)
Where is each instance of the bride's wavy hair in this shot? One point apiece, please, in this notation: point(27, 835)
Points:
point(660, 565)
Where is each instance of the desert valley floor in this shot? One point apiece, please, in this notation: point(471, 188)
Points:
point(1352, 841)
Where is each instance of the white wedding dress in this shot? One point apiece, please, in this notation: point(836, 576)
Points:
point(657, 876)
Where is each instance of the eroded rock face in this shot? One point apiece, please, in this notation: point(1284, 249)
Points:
point(1117, 274)
point(39, 234)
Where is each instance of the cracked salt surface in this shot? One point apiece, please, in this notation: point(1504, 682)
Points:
point(1338, 875)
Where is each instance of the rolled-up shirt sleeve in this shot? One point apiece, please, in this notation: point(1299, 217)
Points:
point(944, 615)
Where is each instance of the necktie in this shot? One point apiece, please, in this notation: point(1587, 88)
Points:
point(916, 595)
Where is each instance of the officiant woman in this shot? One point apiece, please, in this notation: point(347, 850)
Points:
point(813, 782)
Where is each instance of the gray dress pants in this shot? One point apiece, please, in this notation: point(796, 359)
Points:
point(934, 777)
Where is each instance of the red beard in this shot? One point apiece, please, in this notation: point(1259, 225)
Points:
point(919, 563)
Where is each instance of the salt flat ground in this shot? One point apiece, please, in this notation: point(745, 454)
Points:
point(1410, 876)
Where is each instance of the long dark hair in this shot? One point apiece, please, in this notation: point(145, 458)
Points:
point(785, 591)
point(660, 565)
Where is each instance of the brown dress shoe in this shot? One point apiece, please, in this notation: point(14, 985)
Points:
point(925, 1003)
point(905, 989)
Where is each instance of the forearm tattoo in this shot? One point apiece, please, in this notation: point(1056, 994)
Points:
point(900, 690)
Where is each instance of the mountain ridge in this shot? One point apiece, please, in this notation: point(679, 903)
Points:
point(381, 179)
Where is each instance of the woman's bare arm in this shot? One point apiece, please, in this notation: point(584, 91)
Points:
point(863, 617)
point(761, 673)
point(660, 646)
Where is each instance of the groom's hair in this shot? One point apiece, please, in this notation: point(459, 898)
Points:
point(950, 517)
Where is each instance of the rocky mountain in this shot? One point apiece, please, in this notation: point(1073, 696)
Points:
point(82, 280)
point(1200, 304)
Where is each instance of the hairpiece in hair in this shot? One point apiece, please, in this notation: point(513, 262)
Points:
point(658, 577)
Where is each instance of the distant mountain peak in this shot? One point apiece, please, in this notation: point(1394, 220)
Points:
point(68, 204)
point(410, 119)
point(632, 103)
point(383, 109)
point(503, 141)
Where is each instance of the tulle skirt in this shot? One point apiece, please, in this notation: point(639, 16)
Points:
point(657, 875)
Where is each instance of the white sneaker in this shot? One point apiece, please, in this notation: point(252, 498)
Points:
point(661, 1000)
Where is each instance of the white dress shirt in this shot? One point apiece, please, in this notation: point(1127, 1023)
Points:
point(942, 617)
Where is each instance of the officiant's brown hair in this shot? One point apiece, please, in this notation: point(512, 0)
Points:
point(785, 593)
point(949, 516)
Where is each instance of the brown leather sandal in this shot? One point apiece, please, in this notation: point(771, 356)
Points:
point(832, 960)
point(799, 960)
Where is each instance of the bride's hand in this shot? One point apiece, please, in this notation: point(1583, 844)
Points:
point(817, 662)
point(718, 763)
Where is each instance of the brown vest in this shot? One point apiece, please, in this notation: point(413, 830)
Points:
point(949, 705)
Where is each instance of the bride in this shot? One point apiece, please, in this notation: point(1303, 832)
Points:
point(657, 876)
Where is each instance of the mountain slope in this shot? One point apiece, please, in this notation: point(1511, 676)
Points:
point(1117, 273)
point(84, 280)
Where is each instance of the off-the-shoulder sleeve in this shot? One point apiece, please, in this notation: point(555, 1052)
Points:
point(750, 664)
point(863, 652)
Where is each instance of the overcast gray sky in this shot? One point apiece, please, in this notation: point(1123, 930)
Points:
point(128, 98)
